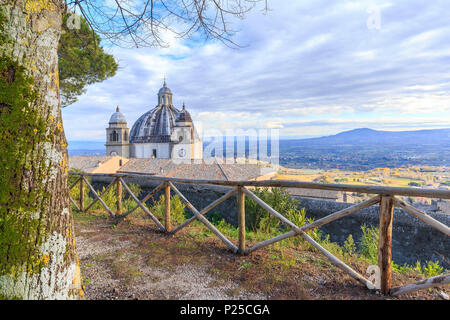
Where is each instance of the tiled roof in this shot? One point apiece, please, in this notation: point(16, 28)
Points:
point(86, 163)
point(203, 171)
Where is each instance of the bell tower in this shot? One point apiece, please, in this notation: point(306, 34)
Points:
point(187, 144)
point(117, 136)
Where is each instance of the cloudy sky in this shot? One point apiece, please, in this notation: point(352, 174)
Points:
point(307, 67)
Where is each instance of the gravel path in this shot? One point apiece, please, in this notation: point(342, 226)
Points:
point(112, 271)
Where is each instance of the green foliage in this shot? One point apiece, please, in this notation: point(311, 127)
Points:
point(258, 219)
point(214, 216)
point(177, 212)
point(369, 250)
point(227, 229)
point(429, 269)
point(72, 177)
point(349, 245)
point(3, 35)
point(332, 247)
point(369, 243)
point(82, 61)
point(265, 225)
point(432, 269)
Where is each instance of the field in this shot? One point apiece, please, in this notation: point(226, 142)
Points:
point(426, 177)
point(434, 177)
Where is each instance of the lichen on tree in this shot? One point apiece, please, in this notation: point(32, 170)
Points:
point(37, 250)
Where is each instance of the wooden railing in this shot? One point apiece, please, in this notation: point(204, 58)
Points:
point(385, 197)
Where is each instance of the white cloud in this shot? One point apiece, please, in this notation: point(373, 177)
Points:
point(303, 61)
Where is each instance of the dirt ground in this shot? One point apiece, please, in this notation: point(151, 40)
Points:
point(134, 260)
point(113, 268)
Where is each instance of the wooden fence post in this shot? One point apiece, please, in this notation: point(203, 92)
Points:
point(82, 195)
point(119, 197)
point(384, 243)
point(241, 219)
point(167, 213)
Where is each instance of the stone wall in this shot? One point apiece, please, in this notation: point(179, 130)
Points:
point(413, 240)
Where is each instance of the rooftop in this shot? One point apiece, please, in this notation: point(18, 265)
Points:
point(167, 168)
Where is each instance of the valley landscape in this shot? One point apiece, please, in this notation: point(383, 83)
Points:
point(224, 150)
point(361, 156)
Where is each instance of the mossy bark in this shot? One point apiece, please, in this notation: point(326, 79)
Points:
point(38, 259)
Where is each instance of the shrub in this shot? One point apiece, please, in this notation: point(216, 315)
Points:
point(369, 243)
point(261, 220)
point(177, 212)
point(349, 245)
point(432, 269)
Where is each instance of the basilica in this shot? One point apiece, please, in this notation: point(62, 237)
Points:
point(164, 132)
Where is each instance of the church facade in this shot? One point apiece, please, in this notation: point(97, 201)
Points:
point(164, 132)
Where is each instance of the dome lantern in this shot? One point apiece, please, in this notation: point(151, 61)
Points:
point(165, 95)
point(117, 117)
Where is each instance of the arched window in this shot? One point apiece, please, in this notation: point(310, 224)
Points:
point(115, 136)
point(125, 136)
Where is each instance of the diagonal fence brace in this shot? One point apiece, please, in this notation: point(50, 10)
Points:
point(330, 256)
point(206, 209)
point(99, 199)
point(143, 207)
point(204, 220)
point(144, 200)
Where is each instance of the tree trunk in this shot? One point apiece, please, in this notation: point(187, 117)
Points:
point(38, 259)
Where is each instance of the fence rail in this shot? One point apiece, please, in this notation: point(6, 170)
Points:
point(385, 197)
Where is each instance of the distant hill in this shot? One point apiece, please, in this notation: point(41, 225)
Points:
point(364, 136)
point(364, 149)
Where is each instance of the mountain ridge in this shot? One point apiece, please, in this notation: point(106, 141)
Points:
point(366, 135)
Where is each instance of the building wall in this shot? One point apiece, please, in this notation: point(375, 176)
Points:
point(166, 151)
point(111, 165)
point(186, 147)
point(120, 150)
point(145, 150)
point(198, 150)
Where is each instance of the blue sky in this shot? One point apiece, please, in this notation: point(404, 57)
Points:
point(308, 68)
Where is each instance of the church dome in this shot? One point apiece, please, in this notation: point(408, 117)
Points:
point(159, 124)
point(155, 125)
point(117, 117)
point(184, 115)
